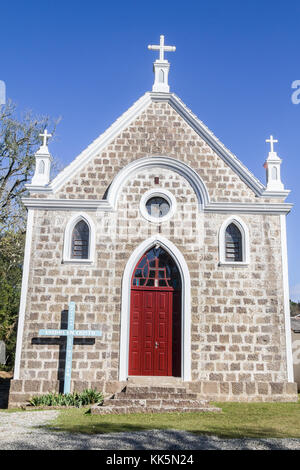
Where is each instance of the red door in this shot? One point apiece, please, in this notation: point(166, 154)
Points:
point(155, 317)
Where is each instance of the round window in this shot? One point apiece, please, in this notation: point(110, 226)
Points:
point(157, 207)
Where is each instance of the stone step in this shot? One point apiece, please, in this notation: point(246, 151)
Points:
point(155, 389)
point(104, 410)
point(151, 395)
point(155, 381)
point(155, 403)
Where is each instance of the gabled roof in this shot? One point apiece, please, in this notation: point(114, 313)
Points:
point(129, 116)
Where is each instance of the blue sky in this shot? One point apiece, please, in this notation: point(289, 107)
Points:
point(87, 61)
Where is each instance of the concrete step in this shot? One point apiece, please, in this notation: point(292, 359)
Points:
point(104, 410)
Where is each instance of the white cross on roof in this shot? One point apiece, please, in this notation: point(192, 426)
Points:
point(162, 48)
point(45, 137)
point(272, 142)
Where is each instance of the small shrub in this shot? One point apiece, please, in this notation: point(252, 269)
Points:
point(87, 397)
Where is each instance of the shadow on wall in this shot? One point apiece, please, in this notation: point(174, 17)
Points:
point(4, 392)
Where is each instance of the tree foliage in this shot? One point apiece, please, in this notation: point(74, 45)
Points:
point(19, 140)
point(294, 308)
point(11, 259)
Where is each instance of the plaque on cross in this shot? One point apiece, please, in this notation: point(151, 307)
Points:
point(70, 332)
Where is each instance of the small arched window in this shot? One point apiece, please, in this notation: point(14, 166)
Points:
point(42, 167)
point(233, 243)
point(80, 241)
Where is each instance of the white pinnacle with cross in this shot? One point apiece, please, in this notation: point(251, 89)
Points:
point(43, 160)
point(272, 142)
point(162, 48)
point(161, 67)
point(272, 166)
point(45, 138)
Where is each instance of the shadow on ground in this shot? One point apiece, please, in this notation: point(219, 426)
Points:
point(146, 440)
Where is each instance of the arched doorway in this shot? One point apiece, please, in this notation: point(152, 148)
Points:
point(155, 316)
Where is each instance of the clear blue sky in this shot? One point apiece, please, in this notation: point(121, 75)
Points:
point(87, 61)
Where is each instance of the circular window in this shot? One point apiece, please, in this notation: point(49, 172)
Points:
point(157, 205)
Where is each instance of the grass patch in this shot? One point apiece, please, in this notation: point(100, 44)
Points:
point(255, 420)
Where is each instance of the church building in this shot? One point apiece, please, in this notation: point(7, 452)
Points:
point(168, 245)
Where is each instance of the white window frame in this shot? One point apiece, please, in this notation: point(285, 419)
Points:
point(68, 240)
point(241, 225)
point(164, 193)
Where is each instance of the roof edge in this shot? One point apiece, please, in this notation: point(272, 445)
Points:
point(124, 121)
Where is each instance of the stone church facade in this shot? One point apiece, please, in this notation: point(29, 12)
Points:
point(221, 233)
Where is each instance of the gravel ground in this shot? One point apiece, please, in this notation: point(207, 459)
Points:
point(19, 431)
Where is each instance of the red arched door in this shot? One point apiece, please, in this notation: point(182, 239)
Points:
point(155, 316)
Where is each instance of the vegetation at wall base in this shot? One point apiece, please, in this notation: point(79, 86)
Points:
point(87, 397)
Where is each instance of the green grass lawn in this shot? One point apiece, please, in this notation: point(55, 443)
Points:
point(237, 420)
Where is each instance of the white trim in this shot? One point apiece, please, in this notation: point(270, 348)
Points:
point(168, 163)
point(24, 290)
point(167, 195)
point(241, 225)
point(101, 142)
point(185, 304)
point(208, 136)
point(104, 205)
point(68, 238)
point(67, 204)
point(286, 301)
point(248, 208)
point(284, 193)
point(130, 115)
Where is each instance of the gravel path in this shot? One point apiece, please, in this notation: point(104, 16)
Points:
point(19, 431)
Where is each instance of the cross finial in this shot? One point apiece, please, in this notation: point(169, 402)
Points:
point(272, 142)
point(162, 48)
point(45, 137)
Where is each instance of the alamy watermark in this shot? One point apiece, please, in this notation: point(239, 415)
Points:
point(2, 92)
point(296, 94)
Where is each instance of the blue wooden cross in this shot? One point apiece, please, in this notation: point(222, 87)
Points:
point(70, 333)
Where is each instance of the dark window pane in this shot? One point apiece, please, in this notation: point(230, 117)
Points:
point(233, 243)
point(80, 241)
point(157, 206)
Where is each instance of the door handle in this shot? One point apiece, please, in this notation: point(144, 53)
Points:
point(156, 344)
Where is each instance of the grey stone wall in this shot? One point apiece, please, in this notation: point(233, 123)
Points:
point(237, 328)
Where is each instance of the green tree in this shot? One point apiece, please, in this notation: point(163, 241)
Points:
point(294, 308)
point(19, 140)
point(11, 259)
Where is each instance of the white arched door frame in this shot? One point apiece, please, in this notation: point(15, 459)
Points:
point(185, 304)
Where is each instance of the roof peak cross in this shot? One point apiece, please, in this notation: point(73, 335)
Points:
point(162, 48)
point(45, 136)
point(272, 142)
point(161, 66)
